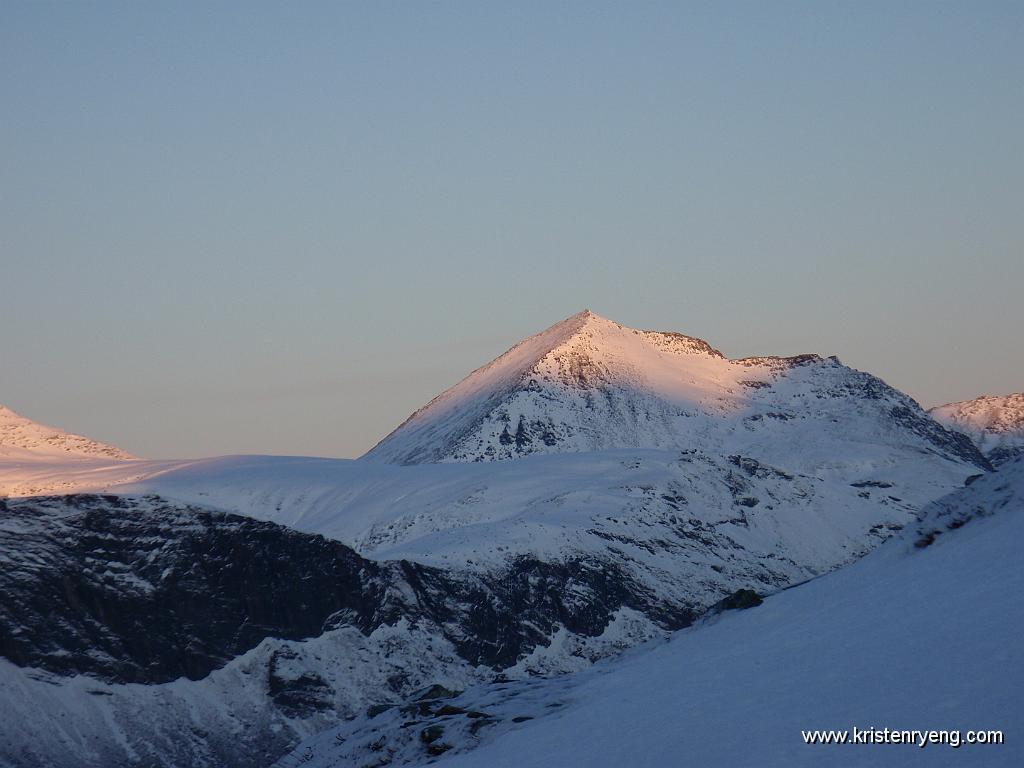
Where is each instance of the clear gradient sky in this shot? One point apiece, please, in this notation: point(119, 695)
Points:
point(281, 227)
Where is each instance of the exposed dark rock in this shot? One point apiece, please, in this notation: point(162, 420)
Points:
point(141, 590)
point(482, 722)
point(738, 600)
point(506, 613)
point(946, 440)
point(1004, 454)
point(522, 438)
point(754, 468)
point(871, 484)
point(431, 733)
point(436, 691)
point(449, 709)
point(296, 692)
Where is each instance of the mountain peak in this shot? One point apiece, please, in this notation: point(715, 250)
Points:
point(570, 326)
point(580, 354)
point(22, 437)
point(588, 383)
point(587, 316)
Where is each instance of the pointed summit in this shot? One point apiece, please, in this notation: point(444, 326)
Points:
point(585, 317)
point(590, 384)
point(575, 357)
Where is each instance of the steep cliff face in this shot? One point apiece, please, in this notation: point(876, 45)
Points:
point(147, 591)
point(139, 590)
point(995, 424)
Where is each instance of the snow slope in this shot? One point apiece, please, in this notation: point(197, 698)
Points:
point(995, 424)
point(35, 475)
point(922, 634)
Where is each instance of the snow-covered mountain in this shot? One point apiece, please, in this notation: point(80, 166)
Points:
point(22, 438)
point(36, 459)
point(921, 635)
point(590, 384)
point(995, 424)
point(593, 488)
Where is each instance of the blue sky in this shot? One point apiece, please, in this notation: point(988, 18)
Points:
point(279, 228)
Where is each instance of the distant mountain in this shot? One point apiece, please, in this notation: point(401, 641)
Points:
point(24, 438)
point(995, 424)
point(36, 459)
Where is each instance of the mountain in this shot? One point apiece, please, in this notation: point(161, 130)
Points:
point(590, 384)
point(649, 453)
point(995, 424)
point(248, 602)
point(21, 438)
point(870, 646)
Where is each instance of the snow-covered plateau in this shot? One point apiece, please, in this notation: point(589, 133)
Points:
point(594, 489)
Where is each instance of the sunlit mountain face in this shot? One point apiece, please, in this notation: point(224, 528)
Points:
point(995, 424)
